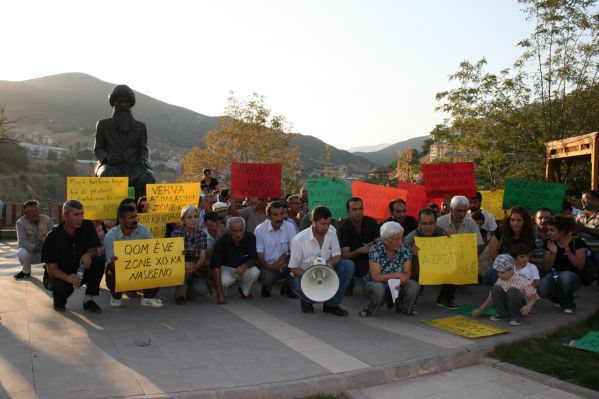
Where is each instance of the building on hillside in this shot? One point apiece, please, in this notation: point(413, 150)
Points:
point(442, 150)
point(41, 151)
point(380, 173)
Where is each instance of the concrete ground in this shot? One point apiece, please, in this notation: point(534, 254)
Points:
point(258, 348)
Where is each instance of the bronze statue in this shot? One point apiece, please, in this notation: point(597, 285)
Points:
point(121, 145)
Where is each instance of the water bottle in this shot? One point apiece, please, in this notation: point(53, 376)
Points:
point(80, 272)
point(555, 274)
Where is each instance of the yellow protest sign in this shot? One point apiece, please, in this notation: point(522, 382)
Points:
point(448, 260)
point(465, 327)
point(493, 203)
point(100, 196)
point(156, 222)
point(154, 263)
point(172, 197)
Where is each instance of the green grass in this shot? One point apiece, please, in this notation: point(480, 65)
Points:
point(551, 355)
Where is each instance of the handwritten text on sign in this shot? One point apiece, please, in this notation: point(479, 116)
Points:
point(417, 198)
point(376, 198)
point(149, 263)
point(100, 196)
point(448, 260)
point(172, 197)
point(533, 195)
point(256, 180)
point(156, 222)
point(493, 202)
point(465, 327)
point(330, 193)
point(443, 179)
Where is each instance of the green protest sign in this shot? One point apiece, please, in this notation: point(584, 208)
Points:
point(533, 195)
point(589, 342)
point(466, 310)
point(330, 193)
point(131, 193)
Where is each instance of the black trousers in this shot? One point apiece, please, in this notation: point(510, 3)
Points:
point(447, 292)
point(92, 277)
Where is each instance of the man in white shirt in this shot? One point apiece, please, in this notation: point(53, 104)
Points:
point(320, 240)
point(273, 240)
point(490, 224)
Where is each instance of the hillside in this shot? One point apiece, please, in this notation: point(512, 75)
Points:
point(388, 154)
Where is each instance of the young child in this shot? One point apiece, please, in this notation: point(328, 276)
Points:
point(512, 295)
point(521, 254)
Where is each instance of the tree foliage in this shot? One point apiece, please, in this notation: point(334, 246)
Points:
point(551, 92)
point(248, 132)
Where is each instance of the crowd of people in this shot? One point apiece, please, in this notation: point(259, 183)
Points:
point(264, 241)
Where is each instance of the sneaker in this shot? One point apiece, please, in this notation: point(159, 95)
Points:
point(336, 310)
point(151, 302)
point(91, 306)
point(515, 322)
point(60, 308)
point(244, 296)
point(365, 313)
point(496, 318)
point(21, 275)
point(568, 311)
point(447, 304)
point(116, 303)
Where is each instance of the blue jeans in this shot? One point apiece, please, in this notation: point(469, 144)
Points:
point(562, 291)
point(345, 271)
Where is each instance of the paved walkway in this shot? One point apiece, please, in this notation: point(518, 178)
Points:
point(260, 348)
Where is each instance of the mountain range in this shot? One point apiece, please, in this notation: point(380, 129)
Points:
point(74, 102)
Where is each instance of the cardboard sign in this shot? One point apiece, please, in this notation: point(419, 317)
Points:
point(448, 260)
point(156, 222)
point(416, 199)
point(330, 193)
point(100, 196)
point(493, 203)
point(465, 327)
point(442, 179)
point(533, 195)
point(131, 193)
point(376, 198)
point(165, 198)
point(151, 263)
point(255, 180)
point(589, 342)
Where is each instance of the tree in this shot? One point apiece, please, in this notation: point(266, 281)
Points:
point(550, 93)
point(5, 126)
point(247, 133)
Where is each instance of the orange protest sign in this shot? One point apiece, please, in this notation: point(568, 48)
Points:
point(376, 198)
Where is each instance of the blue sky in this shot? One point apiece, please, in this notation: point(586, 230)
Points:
point(348, 72)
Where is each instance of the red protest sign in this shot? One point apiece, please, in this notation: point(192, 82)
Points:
point(417, 198)
point(376, 198)
point(442, 179)
point(255, 180)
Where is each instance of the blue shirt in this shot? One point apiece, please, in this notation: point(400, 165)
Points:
point(378, 253)
point(141, 232)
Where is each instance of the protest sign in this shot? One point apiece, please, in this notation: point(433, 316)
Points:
point(172, 197)
point(493, 203)
point(416, 199)
point(255, 180)
point(150, 263)
point(466, 310)
point(330, 193)
point(100, 196)
point(156, 222)
point(376, 198)
point(131, 193)
point(443, 179)
point(464, 327)
point(533, 195)
point(448, 260)
point(589, 342)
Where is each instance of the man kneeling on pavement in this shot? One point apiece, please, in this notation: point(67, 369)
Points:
point(72, 244)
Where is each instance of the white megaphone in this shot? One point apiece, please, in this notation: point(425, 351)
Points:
point(319, 282)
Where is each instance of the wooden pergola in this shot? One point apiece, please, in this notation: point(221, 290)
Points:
point(571, 149)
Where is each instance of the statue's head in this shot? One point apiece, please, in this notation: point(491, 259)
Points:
point(121, 92)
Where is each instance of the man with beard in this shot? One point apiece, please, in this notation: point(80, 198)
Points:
point(121, 145)
point(127, 229)
point(398, 211)
point(273, 241)
point(456, 221)
point(588, 220)
point(489, 224)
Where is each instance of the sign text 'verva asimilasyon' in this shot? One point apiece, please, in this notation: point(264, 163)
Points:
point(172, 197)
point(152, 263)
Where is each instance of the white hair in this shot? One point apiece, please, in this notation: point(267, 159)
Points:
point(459, 200)
point(389, 229)
point(236, 219)
point(187, 210)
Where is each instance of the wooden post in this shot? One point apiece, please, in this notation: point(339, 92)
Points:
point(594, 155)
